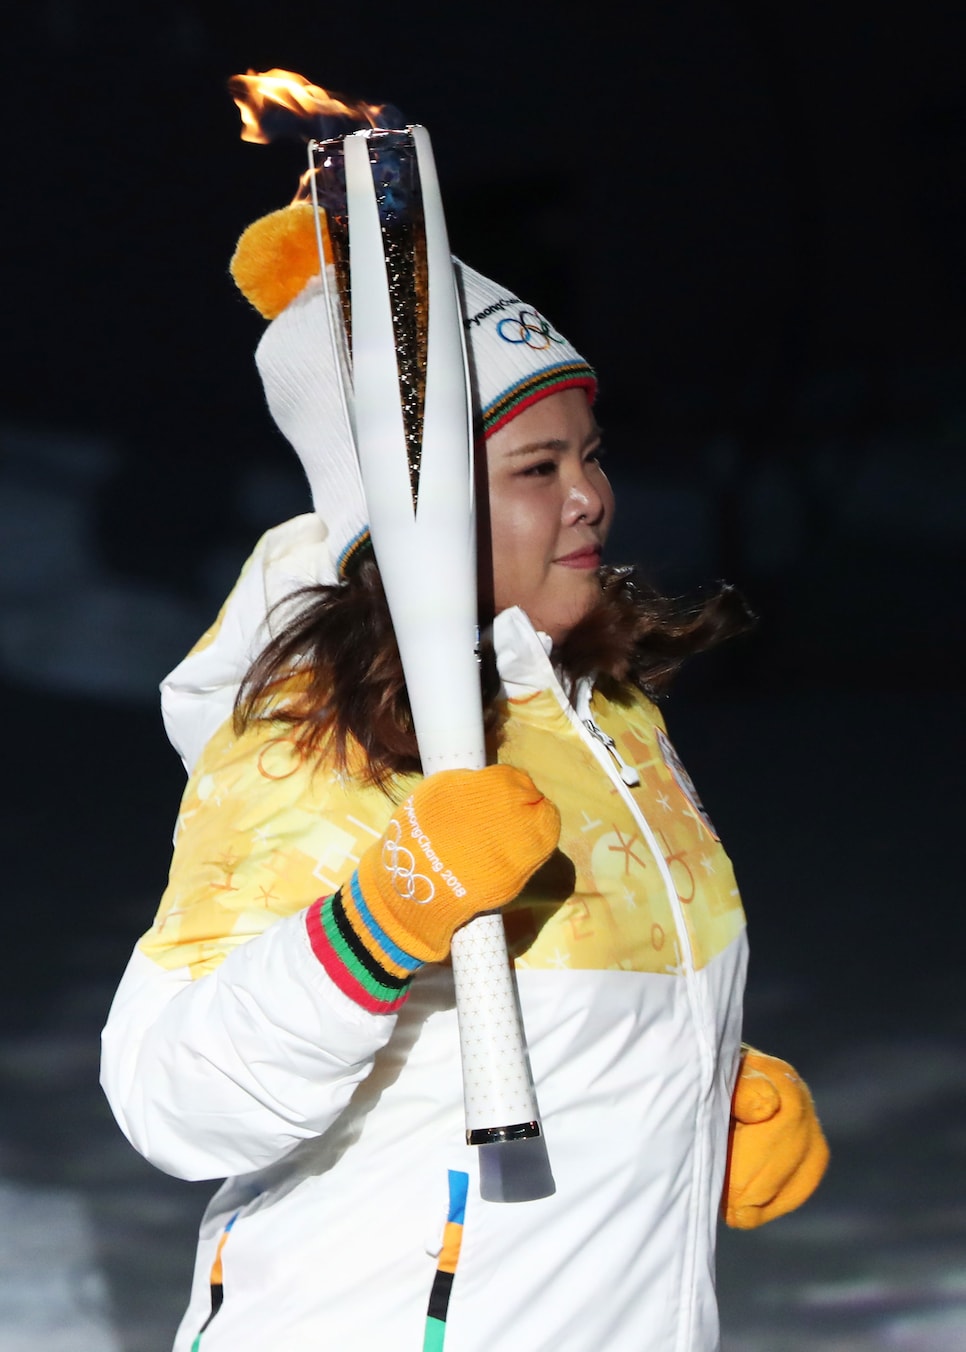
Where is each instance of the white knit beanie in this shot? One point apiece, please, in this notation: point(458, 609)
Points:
point(300, 367)
point(516, 358)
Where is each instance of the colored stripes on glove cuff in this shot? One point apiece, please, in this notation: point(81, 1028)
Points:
point(357, 953)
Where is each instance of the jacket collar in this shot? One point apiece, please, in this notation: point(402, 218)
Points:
point(523, 658)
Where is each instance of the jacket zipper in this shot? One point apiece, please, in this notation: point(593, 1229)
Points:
point(608, 758)
point(627, 772)
point(604, 750)
point(606, 754)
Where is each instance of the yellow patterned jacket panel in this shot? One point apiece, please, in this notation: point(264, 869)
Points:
point(263, 832)
point(602, 902)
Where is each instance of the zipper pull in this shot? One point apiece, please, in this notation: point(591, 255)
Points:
point(628, 774)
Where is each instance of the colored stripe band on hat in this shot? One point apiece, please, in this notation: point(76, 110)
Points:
point(564, 376)
point(357, 546)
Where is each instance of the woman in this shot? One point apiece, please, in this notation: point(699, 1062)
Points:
point(288, 1020)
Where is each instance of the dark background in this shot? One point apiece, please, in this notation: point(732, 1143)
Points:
point(751, 217)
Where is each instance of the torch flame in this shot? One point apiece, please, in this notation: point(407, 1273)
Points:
point(260, 92)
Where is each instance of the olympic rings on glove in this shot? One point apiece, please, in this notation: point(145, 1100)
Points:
point(400, 864)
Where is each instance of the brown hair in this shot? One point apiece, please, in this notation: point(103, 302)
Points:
point(350, 688)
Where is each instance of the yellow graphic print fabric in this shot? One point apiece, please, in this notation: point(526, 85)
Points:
point(601, 903)
point(262, 833)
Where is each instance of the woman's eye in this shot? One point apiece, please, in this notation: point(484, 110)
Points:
point(596, 455)
point(541, 470)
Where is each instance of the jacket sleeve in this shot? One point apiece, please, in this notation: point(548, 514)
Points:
point(227, 1042)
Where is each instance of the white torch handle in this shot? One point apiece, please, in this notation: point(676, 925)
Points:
point(497, 1088)
point(427, 559)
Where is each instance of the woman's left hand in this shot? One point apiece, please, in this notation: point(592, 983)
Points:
point(777, 1152)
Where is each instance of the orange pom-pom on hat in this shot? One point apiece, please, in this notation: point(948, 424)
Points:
point(277, 256)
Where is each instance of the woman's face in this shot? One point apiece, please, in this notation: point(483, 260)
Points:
point(550, 508)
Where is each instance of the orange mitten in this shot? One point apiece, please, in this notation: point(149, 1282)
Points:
point(776, 1150)
point(463, 842)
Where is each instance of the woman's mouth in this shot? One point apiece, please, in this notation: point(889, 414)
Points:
point(586, 557)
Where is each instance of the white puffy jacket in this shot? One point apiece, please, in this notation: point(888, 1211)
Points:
point(351, 1217)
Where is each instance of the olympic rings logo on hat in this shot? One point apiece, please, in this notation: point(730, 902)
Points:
point(401, 867)
point(528, 327)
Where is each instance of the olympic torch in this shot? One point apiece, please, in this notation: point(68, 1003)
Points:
point(411, 412)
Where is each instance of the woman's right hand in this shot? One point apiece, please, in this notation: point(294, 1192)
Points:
point(463, 842)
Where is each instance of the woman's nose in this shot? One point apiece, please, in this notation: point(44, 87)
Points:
point(584, 502)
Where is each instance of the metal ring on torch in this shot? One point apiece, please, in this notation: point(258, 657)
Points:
point(425, 545)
